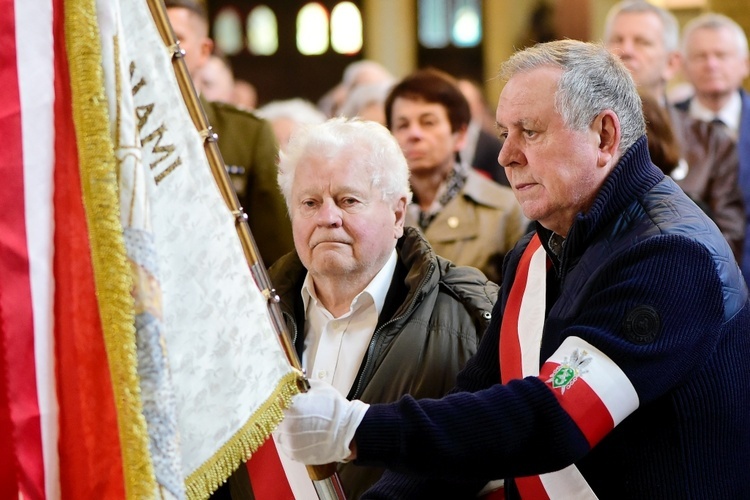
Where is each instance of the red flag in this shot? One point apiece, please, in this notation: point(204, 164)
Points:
point(87, 354)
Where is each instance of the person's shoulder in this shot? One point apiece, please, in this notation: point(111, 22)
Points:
point(682, 123)
point(231, 112)
point(469, 285)
point(286, 271)
point(692, 132)
point(488, 192)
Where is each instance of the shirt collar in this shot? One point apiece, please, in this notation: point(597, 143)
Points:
point(729, 114)
point(377, 289)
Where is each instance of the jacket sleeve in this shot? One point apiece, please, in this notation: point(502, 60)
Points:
point(527, 426)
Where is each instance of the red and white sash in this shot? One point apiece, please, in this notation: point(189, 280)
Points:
point(274, 476)
point(519, 357)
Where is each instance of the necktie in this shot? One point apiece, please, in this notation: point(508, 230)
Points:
point(719, 124)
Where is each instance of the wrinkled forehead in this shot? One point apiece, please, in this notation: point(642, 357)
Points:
point(534, 86)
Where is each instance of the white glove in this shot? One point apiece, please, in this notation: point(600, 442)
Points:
point(319, 425)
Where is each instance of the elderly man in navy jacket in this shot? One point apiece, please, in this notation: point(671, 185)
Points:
point(615, 365)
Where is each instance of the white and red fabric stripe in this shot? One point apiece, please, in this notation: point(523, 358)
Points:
point(600, 396)
point(275, 477)
point(57, 432)
point(27, 375)
point(594, 391)
point(524, 312)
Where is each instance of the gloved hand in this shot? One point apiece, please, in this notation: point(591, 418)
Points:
point(319, 425)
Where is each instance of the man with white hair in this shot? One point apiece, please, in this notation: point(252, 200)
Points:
point(716, 63)
point(374, 313)
point(645, 38)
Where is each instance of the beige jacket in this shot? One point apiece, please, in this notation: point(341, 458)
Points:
point(478, 227)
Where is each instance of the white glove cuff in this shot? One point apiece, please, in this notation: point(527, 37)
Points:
point(355, 415)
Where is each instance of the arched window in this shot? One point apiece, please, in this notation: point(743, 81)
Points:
point(449, 22)
point(279, 41)
point(228, 31)
point(450, 36)
point(346, 28)
point(312, 29)
point(433, 23)
point(262, 31)
point(467, 24)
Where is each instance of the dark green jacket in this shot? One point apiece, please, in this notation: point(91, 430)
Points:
point(249, 150)
point(433, 317)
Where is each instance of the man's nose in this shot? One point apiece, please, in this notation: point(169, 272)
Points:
point(624, 49)
point(329, 214)
point(712, 61)
point(510, 155)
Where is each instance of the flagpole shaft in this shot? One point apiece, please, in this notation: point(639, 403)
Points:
point(328, 488)
point(324, 477)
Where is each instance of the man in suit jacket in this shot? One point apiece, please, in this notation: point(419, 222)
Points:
point(646, 38)
point(716, 62)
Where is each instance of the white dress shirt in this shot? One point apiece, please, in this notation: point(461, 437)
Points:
point(730, 114)
point(334, 350)
point(335, 347)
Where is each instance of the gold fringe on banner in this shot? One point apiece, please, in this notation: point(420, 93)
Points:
point(111, 270)
point(212, 474)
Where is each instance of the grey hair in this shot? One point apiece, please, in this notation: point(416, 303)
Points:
point(300, 110)
point(354, 71)
point(670, 27)
point(368, 144)
point(364, 95)
point(592, 80)
point(713, 21)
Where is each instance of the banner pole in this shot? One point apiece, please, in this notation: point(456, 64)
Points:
point(324, 477)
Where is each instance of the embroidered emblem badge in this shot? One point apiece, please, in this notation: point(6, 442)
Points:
point(642, 325)
point(569, 371)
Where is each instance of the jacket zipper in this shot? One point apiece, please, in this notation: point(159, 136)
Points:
point(371, 347)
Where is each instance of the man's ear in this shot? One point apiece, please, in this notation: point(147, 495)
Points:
point(674, 63)
point(205, 49)
point(745, 67)
point(400, 213)
point(607, 126)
